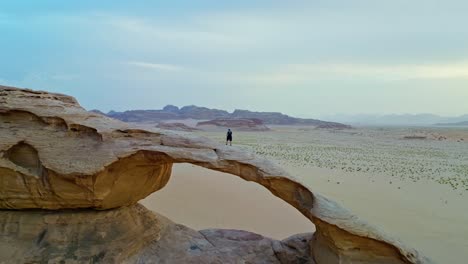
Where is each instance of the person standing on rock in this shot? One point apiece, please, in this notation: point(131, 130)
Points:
point(229, 137)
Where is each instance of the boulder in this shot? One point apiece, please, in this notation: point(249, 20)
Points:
point(132, 235)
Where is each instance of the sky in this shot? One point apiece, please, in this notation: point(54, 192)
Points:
point(303, 58)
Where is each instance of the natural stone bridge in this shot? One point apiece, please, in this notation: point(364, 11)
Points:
point(55, 155)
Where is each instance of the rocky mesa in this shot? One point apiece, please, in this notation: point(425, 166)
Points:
point(57, 156)
point(171, 112)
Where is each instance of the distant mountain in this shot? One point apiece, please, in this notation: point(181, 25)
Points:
point(396, 120)
point(171, 112)
point(463, 123)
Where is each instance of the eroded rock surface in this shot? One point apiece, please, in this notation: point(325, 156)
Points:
point(56, 155)
point(132, 235)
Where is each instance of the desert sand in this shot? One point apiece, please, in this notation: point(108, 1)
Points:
point(427, 215)
point(202, 198)
point(413, 189)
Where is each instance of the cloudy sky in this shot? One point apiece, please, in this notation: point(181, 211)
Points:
point(304, 58)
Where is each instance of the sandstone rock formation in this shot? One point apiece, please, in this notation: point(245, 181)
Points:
point(241, 124)
point(55, 155)
point(133, 235)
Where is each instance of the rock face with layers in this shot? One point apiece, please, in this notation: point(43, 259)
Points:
point(55, 155)
point(133, 235)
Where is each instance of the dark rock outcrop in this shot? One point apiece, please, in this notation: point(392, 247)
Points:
point(241, 124)
point(171, 112)
point(176, 127)
point(273, 118)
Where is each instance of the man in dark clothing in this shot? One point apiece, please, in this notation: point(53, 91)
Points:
point(229, 137)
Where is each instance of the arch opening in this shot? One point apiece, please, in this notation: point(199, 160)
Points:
point(202, 198)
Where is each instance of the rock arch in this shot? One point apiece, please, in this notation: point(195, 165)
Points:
point(125, 164)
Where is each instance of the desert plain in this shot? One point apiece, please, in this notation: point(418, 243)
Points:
point(412, 182)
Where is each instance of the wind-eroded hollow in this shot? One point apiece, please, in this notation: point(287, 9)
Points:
point(25, 156)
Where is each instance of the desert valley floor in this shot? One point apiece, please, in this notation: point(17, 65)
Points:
point(413, 182)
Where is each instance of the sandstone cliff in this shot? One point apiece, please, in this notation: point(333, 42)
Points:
point(55, 155)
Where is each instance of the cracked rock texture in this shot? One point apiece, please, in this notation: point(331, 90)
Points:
point(133, 235)
point(56, 155)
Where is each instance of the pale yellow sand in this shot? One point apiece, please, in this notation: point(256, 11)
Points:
point(201, 198)
point(428, 216)
point(425, 214)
